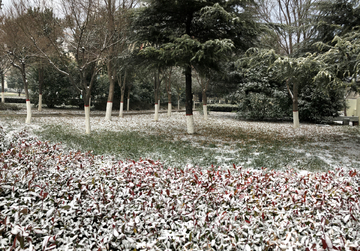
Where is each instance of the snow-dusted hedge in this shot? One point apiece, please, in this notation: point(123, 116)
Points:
point(54, 200)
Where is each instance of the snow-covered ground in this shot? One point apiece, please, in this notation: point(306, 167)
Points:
point(55, 199)
point(338, 146)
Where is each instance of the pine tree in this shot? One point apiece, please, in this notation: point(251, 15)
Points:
point(194, 32)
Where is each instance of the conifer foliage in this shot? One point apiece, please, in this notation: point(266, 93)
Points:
point(193, 32)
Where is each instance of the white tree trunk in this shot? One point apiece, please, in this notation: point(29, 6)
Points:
point(156, 116)
point(190, 124)
point(128, 104)
point(296, 119)
point(121, 114)
point(109, 106)
point(169, 109)
point(179, 104)
point(2, 97)
point(205, 112)
point(40, 103)
point(28, 112)
point(87, 119)
point(358, 109)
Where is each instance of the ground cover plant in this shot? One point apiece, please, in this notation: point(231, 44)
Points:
point(51, 199)
point(66, 197)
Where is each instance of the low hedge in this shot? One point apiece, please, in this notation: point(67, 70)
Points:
point(223, 108)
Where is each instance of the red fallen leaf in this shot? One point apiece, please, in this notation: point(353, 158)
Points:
point(247, 221)
point(263, 216)
point(196, 177)
point(168, 192)
point(353, 217)
point(324, 243)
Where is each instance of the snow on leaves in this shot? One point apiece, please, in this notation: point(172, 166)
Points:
point(50, 199)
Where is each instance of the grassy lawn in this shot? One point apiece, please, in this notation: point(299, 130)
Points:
point(218, 144)
point(54, 197)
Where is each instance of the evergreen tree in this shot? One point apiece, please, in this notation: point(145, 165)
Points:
point(336, 18)
point(193, 32)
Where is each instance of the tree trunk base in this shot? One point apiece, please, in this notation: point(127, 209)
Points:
point(205, 112)
point(128, 105)
point(40, 103)
point(190, 124)
point(28, 112)
point(109, 106)
point(2, 97)
point(156, 115)
point(296, 119)
point(169, 109)
point(87, 119)
point(121, 114)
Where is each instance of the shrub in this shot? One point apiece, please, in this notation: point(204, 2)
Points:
point(5, 106)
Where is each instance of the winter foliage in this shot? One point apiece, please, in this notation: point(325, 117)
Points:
point(52, 199)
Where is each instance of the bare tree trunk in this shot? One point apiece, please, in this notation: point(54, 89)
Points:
point(87, 110)
point(41, 83)
point(128, 99)
point(168, 90)
point(169, 109)
point(204, 101)
point(294, 96)
point(110, 6)
point(188, 104)
point(87, 100)
point(121, 112)
point(122, 83)
point(110, 99)
point(26, 88)
point(2, 87)
point(296, 109)
point(156, 94)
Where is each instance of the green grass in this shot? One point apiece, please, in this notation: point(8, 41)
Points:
point(246, 149)
point(128, 145)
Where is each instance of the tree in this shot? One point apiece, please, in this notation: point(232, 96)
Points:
point(55, 87)
point(295, 72)
point(190, 32)
point(20, 52)
point(168, 81)
point(116, 16)
point(289, 22)
point(335, 18)
point(4, 67)
point(84, 41)
point(203, 78)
